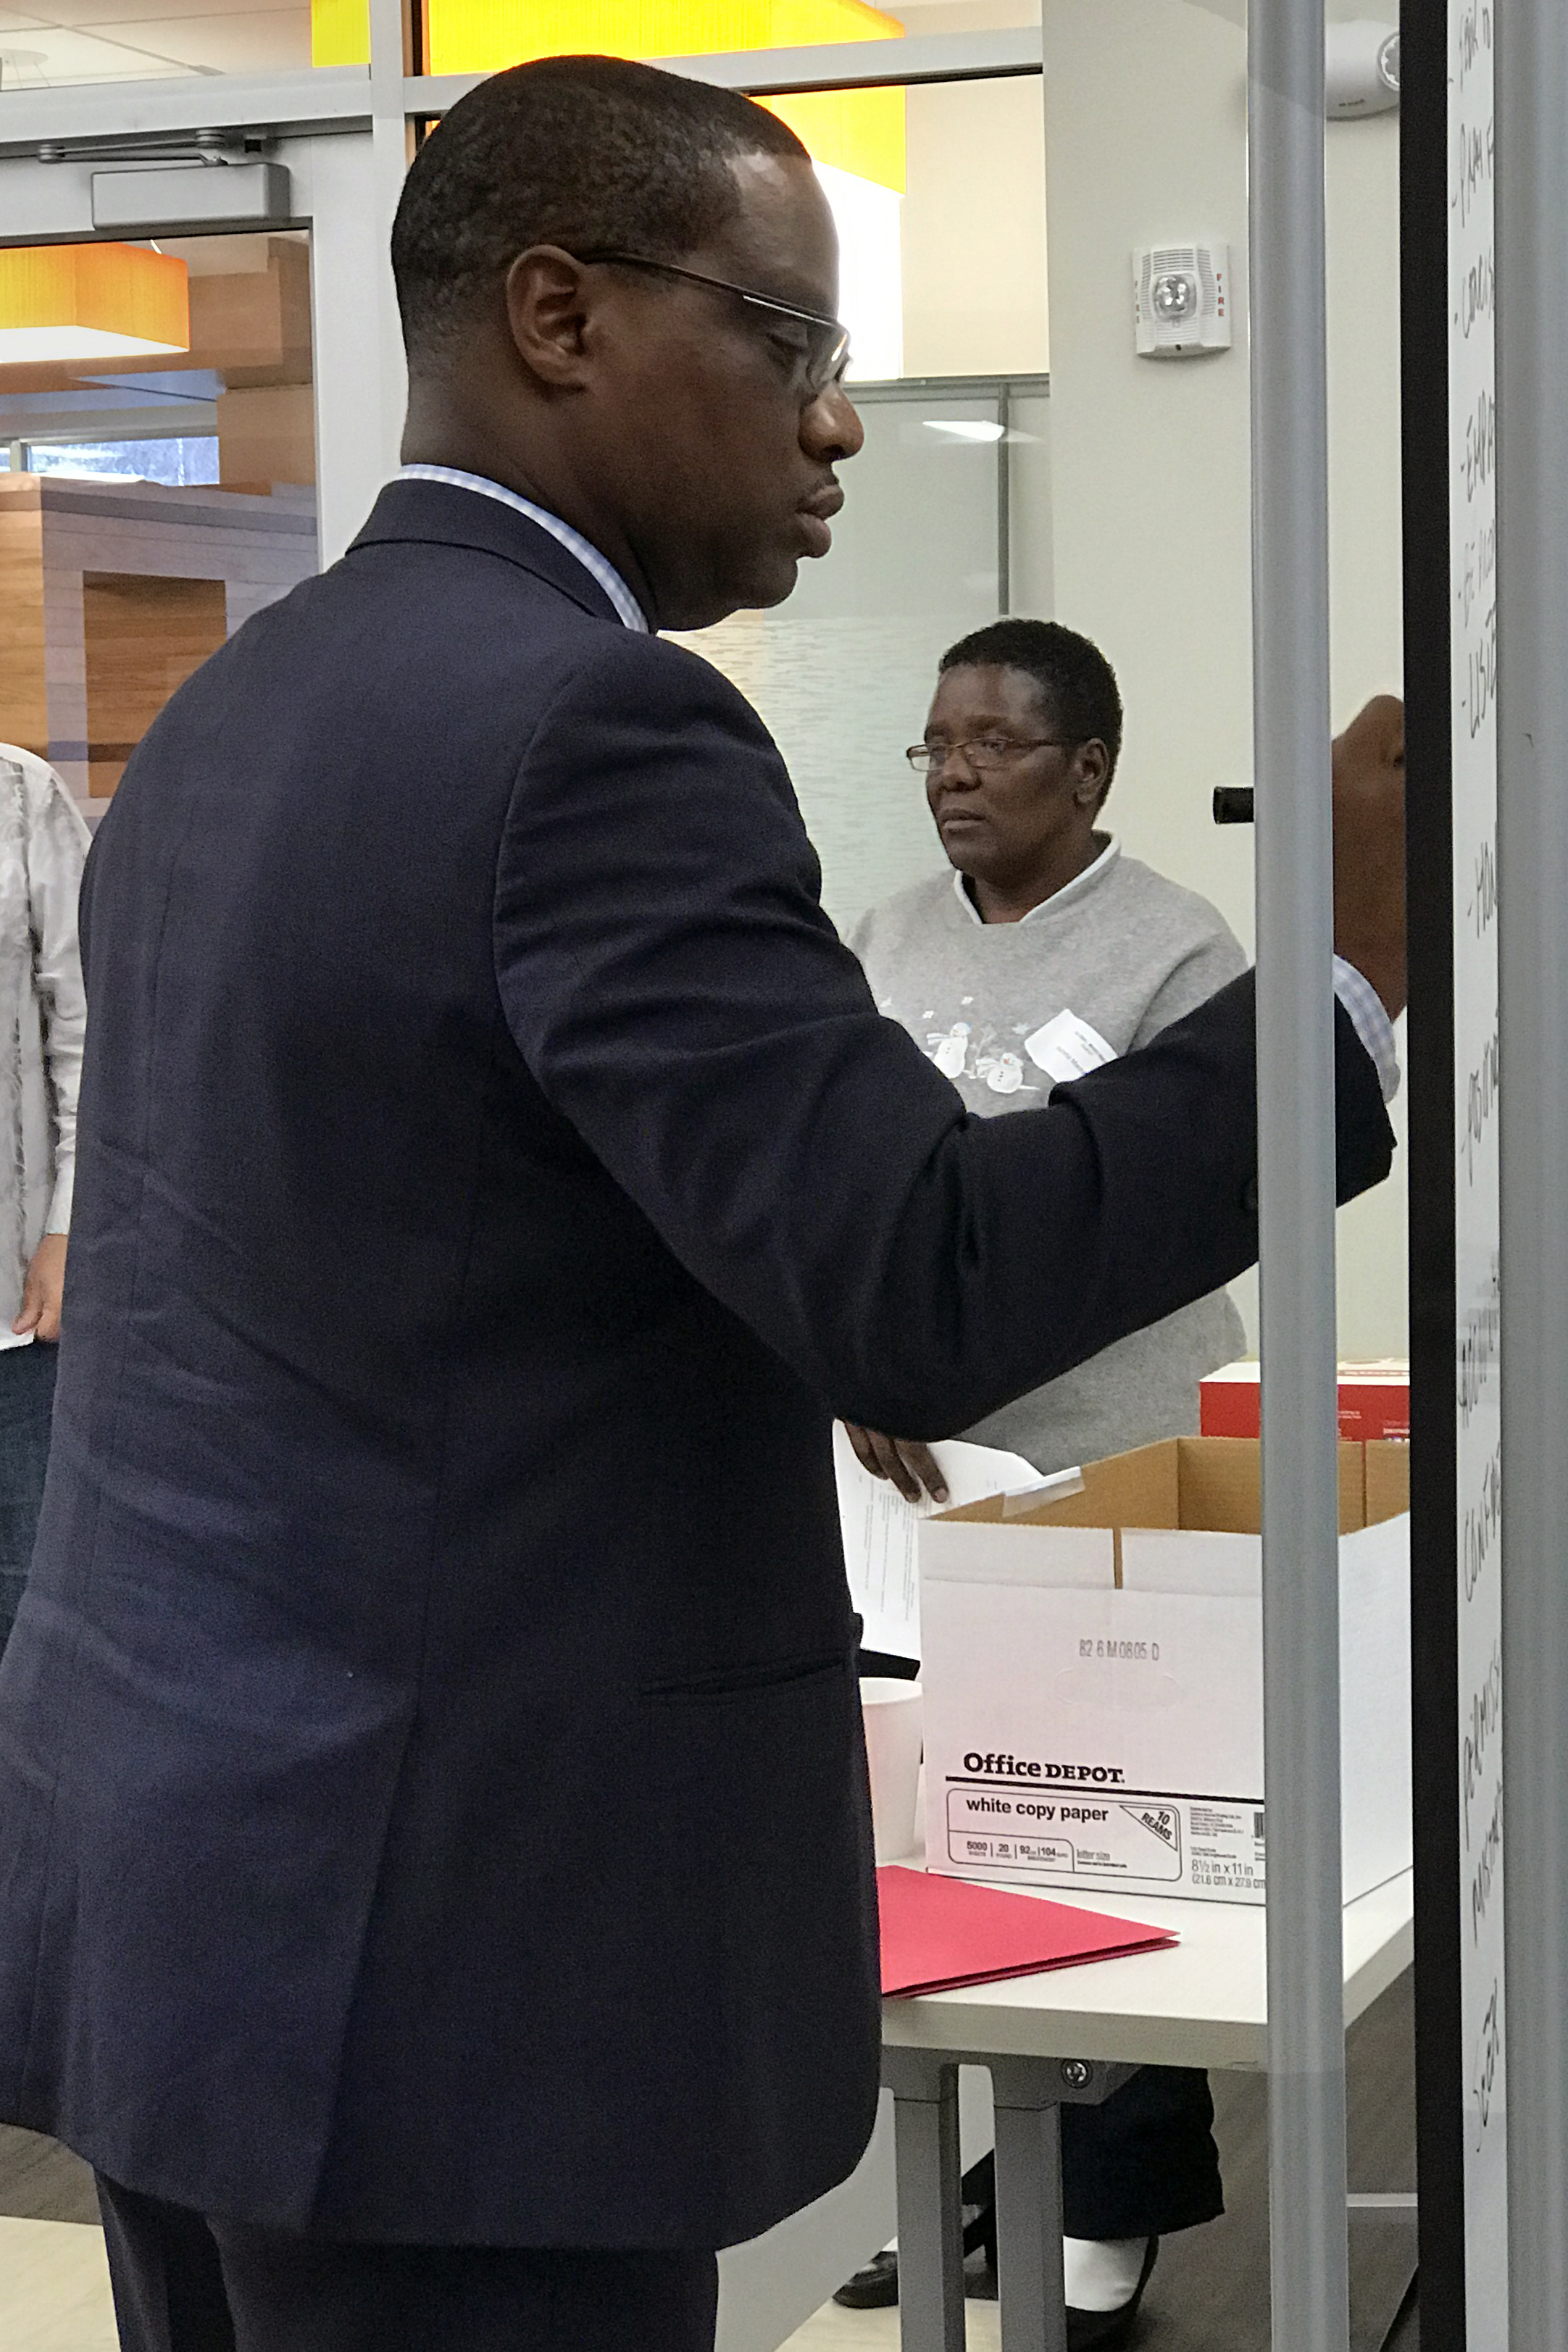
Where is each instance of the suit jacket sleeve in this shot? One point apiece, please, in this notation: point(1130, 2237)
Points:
point(679, 996)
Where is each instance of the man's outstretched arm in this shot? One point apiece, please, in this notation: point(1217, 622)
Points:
point(679, 996)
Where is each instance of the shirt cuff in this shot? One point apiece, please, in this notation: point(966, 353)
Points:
point(1371, 1021)
point(60, 1216)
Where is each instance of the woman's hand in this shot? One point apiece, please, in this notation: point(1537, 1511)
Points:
point(43, 1289)
point(904, 1462)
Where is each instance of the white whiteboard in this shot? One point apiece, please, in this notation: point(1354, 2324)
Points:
point(1472, 525)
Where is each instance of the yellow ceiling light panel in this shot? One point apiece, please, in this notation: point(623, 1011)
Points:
point(340, 32)
point(91, 302)
point(486, 36)
point(858, 130)
point(794, 22)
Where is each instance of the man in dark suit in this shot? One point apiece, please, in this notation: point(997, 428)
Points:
point(436, 1891)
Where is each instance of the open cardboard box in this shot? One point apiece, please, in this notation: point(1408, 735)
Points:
point(1093, 1675)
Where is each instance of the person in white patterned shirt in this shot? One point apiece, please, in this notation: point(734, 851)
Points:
point(44, 842)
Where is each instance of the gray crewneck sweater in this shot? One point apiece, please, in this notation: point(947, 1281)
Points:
point(1125, 952)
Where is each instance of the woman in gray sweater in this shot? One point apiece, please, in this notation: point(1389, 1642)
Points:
point(1044, 952)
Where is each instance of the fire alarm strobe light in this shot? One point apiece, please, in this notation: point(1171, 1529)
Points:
point(1180, 298)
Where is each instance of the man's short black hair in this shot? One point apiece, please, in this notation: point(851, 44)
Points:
point(1076, 681)
point(583, 153)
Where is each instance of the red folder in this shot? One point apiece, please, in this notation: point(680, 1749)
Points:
point(939, 1932)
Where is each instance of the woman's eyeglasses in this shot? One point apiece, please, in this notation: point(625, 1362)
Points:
point(984, 753)
point(825, 353)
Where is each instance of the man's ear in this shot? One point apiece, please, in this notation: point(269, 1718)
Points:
point(548, 308)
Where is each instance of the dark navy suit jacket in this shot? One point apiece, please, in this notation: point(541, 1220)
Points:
point(432, 1803)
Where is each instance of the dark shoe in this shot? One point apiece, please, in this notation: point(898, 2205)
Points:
point(873, 2288)
point(1102, 2331)
point(877, 2287)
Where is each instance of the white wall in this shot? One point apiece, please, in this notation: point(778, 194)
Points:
point(974, 230)
point(1145, 140)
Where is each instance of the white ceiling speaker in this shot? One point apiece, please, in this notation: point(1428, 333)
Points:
point(1181, 300)
point(1360, 64)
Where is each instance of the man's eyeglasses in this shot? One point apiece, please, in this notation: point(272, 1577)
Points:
point(822, 356)
point(985, 754)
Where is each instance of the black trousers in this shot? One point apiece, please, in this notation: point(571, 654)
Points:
point(1141, 2164)
point(183, 2283)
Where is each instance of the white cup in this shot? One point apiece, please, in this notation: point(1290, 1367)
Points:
point(893, 1736)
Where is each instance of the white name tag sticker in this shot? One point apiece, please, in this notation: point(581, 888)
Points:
point(1067, 1048)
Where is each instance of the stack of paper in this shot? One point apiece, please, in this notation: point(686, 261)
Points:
point(881, 1532)
point(939, 1932)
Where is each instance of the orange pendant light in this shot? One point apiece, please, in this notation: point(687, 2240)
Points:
point(62, 302)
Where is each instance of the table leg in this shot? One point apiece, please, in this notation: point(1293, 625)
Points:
point(1030, 2094)
point(1027, 2093)
point(931, 2218)
point(1030, 2288)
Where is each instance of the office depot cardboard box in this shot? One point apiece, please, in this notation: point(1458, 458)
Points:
point(1093, 1676)
point(1374, 1400)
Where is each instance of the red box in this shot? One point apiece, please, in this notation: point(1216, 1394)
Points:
point(1375, 1401)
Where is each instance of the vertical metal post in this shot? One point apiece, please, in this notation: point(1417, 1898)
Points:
point(1310, 2264)
point(348, 260)
point(1003, 501)
point(391, 58)
point(1531, 195)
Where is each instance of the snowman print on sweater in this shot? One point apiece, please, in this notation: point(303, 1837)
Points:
point(959, 1053)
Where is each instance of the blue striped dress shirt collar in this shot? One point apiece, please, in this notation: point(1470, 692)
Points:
point(598, 567)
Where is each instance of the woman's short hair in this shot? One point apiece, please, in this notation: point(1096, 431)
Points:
point(1076, 681)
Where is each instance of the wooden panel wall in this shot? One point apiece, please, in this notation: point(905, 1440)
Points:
point(24, 700)
point(267, 435)
point(144, 635)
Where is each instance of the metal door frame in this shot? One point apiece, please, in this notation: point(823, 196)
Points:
point(346, 134)
point(331, 181)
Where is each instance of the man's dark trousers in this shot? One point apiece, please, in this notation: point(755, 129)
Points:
point(185, 2285)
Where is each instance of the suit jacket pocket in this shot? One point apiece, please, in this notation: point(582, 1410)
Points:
point(774, 1673)
point(762, 1814)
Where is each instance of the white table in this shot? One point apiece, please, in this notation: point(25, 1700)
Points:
point(1202, 2004)
point(1074, 2035)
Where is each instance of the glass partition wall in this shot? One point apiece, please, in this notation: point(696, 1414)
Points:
point(150, 502)
point(946, 526)
point(947, 521)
